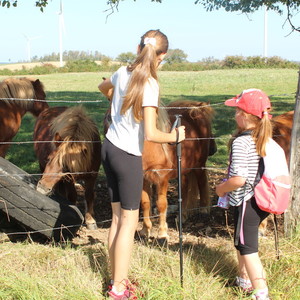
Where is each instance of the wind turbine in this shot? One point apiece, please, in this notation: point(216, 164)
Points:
point(61, 30)
point(265, 32)
point(29, 39)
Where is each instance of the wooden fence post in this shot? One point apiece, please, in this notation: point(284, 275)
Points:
point(292, 215)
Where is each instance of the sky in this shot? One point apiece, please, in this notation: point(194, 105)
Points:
point(89, 26)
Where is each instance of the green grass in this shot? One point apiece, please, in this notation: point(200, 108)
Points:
point(29, 271)
point(209, 86)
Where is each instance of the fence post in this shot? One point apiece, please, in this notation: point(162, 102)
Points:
point(292, 215)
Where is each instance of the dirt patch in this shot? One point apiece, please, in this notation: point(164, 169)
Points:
point(28, 66)
point(198, 228)
point(219, 223)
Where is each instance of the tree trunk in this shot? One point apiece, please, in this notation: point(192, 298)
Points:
point(292, 215)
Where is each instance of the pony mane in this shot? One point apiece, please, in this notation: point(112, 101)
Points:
point(18, 88)
point(196, 109)
point(163, 120)
point(74, 125)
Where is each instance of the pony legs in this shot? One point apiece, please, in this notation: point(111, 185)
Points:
point(204, 190)
point(196, 193)
point(89, 198)
point(162, 206)
point(146, 207)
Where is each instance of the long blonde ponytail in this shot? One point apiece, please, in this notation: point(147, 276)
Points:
point(143, 68)
point(261, 133)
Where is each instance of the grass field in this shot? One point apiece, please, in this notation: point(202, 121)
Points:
point(208, 86)
point(31, 271)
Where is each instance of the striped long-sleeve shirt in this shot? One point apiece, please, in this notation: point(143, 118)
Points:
point(244, 163)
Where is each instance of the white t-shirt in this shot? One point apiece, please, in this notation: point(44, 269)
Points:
point(124, 132)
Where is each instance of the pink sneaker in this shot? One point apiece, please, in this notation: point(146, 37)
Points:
point(129, 292)
point(113, 296)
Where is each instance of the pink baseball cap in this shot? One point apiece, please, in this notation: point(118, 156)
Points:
point(252, 101)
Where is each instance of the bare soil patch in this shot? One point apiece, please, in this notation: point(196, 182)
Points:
point(208, 228)
point(199, 226)
point(27, 66)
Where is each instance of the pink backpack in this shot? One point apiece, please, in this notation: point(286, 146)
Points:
point(272, 192)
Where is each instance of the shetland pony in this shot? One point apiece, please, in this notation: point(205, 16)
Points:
point(18, 96)
point(282, 131)
point(160, 165)
point(73, 153)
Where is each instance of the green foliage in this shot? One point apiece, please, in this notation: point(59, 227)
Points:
point(38, 3)
point(72, 55)
point(126, 57)
point(175, 56)
point(232, 62)
point(175, 64)
point(80, 66)
point(247, 6)
point(230, 6)
point(240, 62)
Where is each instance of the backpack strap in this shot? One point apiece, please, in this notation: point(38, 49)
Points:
point(247, 132)
point(260, 171)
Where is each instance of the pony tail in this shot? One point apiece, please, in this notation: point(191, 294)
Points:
point(262, 133)
point(142, 69)
point(152, 44)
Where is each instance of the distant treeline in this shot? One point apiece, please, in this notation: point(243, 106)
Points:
point(79, 61)
point(72, 55)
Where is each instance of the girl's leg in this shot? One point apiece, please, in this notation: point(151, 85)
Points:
point(249, 262)
point(113, 233)
point(242, 268)
point(255, 270)
point(243, 280)
point(122, 246)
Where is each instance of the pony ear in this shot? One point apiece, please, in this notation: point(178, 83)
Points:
point(57, 139)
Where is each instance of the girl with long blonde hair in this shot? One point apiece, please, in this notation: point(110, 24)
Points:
point(134, 94)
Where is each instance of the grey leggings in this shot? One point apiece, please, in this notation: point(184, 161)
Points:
point(124, 174)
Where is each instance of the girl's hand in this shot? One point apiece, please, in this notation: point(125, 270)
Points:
point(181, 133)
point(219, 190)
point(229, 185)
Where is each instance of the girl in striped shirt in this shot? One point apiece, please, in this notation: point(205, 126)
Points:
point(248, 145)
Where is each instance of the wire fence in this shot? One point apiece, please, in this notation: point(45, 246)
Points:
point(212, 169)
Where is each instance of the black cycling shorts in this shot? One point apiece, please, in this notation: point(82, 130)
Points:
point(124, 173)
point(253, 216)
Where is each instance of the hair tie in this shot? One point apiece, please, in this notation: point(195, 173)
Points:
point(265, 113)
point(151, 41)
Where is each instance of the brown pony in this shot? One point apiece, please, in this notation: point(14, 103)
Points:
point(17, 96)
point(160, 164)
point(282, 131)
point(74, 153)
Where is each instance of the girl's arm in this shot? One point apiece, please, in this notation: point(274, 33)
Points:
point(229, 185)
point(153, 134)
point(106, 88)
